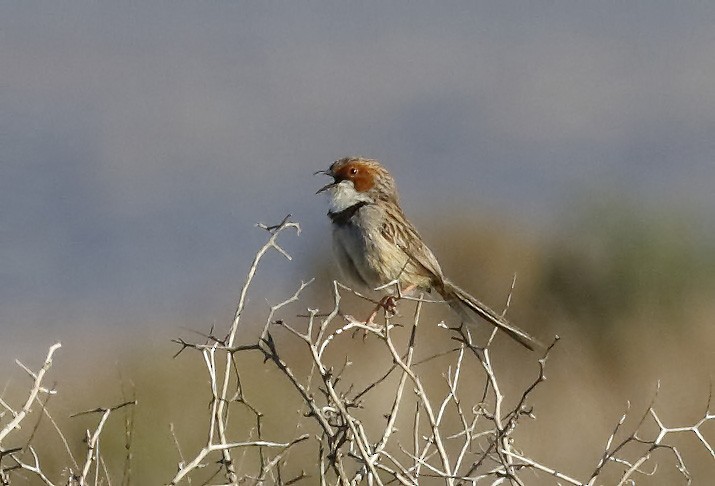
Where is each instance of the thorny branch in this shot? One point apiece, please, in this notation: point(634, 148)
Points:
point(18, 456)
point(450, 437)
point(374, 415)
point(426, 433)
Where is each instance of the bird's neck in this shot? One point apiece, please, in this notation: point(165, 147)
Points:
point(344, 196)
point(341, 218)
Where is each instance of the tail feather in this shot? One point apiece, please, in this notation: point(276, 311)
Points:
point(460, 301)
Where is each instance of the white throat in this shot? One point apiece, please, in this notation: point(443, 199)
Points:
point(344, 195)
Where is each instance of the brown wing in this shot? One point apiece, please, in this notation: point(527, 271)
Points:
point(409, 241)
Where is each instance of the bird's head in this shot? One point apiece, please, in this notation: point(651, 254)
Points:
point(357, 179)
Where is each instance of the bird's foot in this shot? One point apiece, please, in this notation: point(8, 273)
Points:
point(389, 303)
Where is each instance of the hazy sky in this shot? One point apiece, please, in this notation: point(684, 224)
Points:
point(139, 141)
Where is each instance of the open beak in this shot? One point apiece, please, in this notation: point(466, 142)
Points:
point(327, 186)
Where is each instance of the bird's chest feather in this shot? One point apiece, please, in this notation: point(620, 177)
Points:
point(357, 244)
point(362, 251)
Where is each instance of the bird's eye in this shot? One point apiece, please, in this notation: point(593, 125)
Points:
point(353, 171)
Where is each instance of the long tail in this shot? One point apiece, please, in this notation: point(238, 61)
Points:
point(460, 301)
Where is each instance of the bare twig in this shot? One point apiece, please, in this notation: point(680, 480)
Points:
point(36, 388)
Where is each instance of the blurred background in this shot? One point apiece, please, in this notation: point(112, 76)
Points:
point(569, 144)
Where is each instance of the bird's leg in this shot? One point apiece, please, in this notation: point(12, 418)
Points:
point(401, 293)
point(370, 321)
point(371, 318)
point(388, 303)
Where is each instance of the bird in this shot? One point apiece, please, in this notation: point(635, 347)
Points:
point(376, 245)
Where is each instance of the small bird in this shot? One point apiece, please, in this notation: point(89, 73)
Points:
point(375, 244)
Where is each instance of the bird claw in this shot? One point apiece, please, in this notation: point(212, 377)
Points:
point(389, 303)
